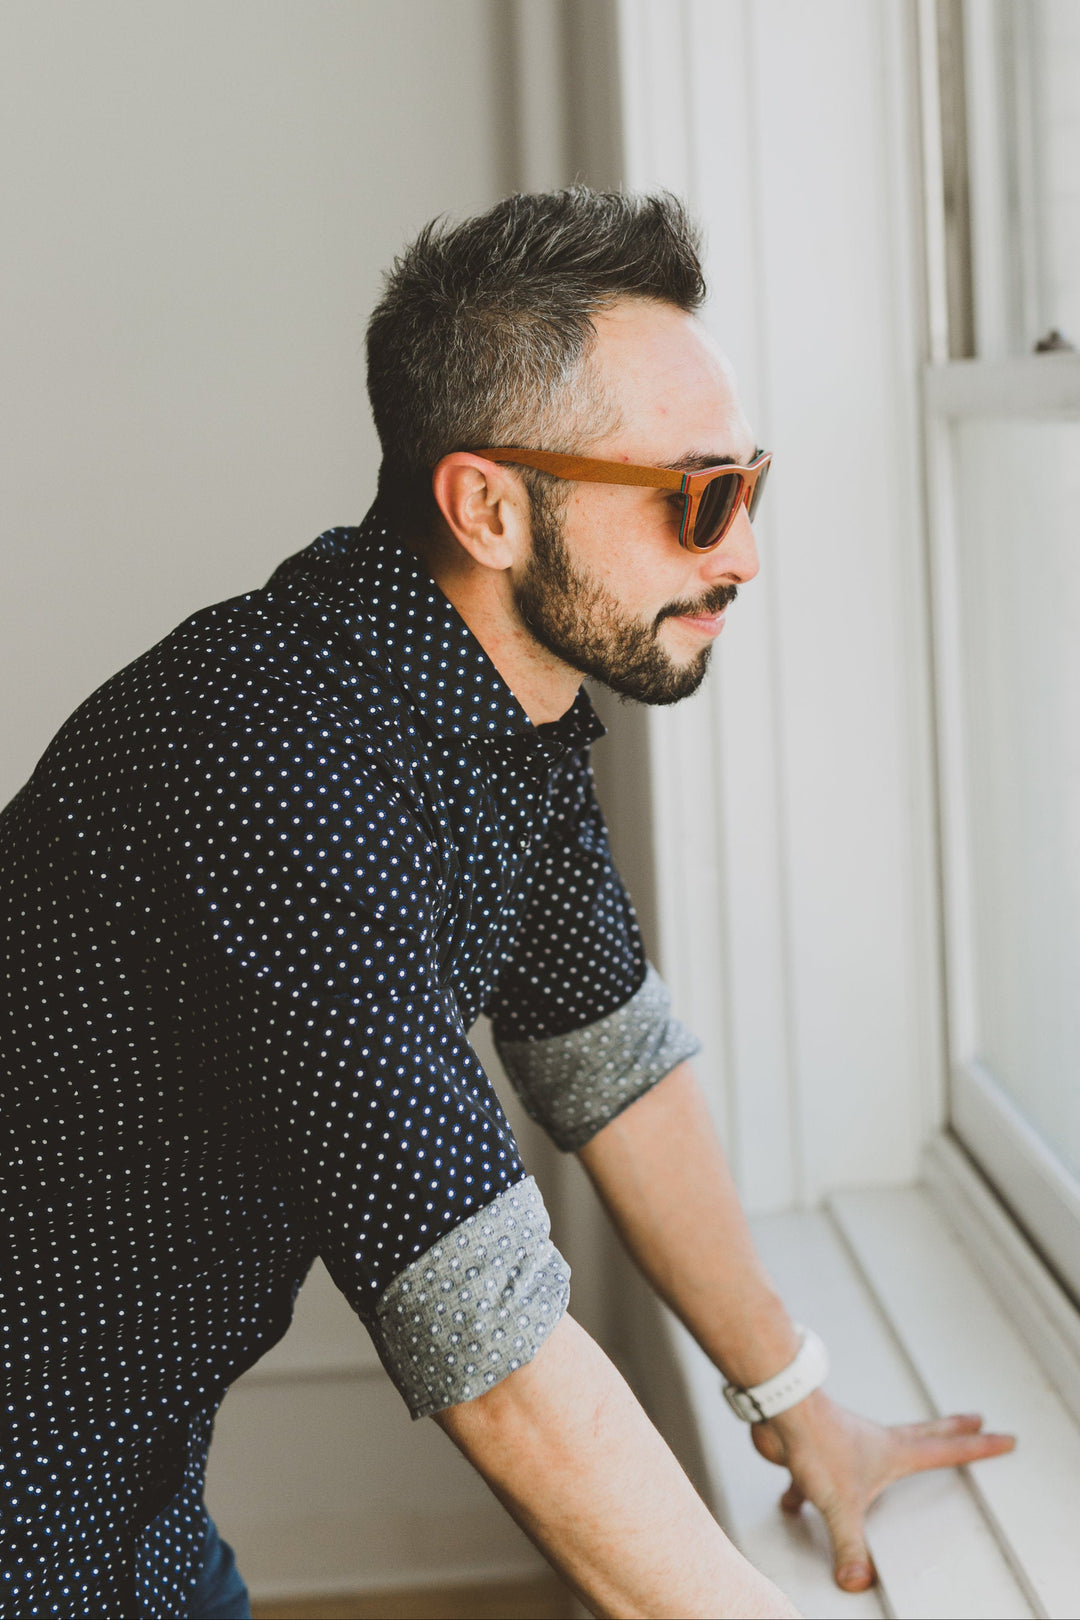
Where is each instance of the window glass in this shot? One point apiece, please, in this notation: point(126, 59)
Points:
point(1021, 64)
point(1054, 71)
point(1018, 519)
point(1057, 35)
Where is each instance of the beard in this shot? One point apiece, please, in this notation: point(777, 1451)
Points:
point(578, 620)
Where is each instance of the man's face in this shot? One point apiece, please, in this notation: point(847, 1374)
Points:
point(608, 589)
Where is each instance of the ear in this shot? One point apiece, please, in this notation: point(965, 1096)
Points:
point(485, 507)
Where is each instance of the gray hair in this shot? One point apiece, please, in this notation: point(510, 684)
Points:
point(484, 330)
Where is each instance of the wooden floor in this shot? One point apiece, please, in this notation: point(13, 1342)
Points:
point(542, 1599)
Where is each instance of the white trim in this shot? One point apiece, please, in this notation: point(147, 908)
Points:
point(360, 1580)
point(915, 1330)
point(955, 874)
point(928, 1014)
point(994, 267)
point(970, 1357)
point(294, 1373)
point(324, 1485)
point(933, 178)
point(1029, 385)
point(1024, 236)
point(1032, 1180)
point(936, 1552)
point(1035, 1186)
point(1035, 1301)
point(325, 1339)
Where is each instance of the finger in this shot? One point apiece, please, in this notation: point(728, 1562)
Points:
point(792, 1499)
point(853, 1568)
point(856, 1575)
point(923, 1451)
point(955, 1423)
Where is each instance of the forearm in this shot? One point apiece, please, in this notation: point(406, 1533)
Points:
point(567, 1449)
point(661, 1171)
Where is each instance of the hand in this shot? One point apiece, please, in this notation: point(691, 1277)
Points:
point(840, 1462)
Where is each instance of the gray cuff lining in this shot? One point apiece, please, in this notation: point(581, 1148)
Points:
point(574, 1084)
point(475, 1306)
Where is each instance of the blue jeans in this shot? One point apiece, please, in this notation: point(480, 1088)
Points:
point(220, 1593)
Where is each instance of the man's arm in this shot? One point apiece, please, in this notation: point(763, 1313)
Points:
point(661, 1171)
point(569, 1452)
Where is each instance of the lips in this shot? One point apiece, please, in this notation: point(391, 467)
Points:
point(713, 607)
point(709, 624)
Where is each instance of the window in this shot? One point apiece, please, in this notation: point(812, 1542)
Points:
point(1001, 94)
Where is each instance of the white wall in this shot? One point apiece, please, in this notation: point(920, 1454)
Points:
point(199, 198)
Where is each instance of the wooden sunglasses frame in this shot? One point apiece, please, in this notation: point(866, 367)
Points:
point(691, 485)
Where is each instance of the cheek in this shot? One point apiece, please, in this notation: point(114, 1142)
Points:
point(596, 516)
point(627, 546)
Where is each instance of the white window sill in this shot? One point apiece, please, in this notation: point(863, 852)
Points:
point(908, 1286)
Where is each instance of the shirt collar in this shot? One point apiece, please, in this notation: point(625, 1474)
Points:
point(392, 607)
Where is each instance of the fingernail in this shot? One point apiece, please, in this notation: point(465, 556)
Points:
point(851, 1573)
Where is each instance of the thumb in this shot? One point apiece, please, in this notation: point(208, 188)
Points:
point(852, 1565)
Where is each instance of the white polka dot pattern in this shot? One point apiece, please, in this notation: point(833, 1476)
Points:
point(251, 901)
point(477, 1305)
point(574, 1084)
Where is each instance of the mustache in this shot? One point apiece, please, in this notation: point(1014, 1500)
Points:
point(705, 606)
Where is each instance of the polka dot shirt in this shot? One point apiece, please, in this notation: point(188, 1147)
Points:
point(253, 898)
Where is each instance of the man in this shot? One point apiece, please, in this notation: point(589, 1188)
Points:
point(264, 881)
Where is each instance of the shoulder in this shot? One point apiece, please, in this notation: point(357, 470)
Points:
point(254, 665)
point(253, 705)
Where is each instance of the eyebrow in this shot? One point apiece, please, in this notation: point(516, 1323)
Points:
point(697, 461)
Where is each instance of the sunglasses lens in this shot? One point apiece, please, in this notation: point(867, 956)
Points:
point(755, 498)
point(719, 500)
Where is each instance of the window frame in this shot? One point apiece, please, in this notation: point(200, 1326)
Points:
point(957, 386)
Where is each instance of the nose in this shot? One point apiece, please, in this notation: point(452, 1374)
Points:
point(735, 559)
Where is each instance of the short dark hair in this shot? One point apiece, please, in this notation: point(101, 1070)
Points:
point(484, 328)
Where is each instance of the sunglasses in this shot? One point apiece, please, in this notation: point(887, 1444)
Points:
point(711, 498)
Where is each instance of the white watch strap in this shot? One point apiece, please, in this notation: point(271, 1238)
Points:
point(806, 1373)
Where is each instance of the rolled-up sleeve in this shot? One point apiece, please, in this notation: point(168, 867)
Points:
point(582, 1022)
point(574, 1084)
point(476, 1306)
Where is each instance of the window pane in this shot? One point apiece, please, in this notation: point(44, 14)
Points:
point(1018, 506)
point(1021, 70)
point(1054, 92)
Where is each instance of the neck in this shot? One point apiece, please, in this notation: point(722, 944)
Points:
point(543, 685)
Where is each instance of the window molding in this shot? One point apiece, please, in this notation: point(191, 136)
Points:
point(1027, 385)
point(916, 1328)
point(1040, 1308)
point(968, 1353)
point(1032, 1182)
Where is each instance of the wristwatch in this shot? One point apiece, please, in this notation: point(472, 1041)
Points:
point(806, 1373)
